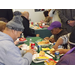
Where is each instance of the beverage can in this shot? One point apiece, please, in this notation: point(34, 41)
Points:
point(57, 57)
point(39, 48)
point(31, 23)
point(32, 45)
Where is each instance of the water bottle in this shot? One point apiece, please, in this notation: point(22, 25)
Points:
point(30, 41)
point(22, 35)
point(39, 48)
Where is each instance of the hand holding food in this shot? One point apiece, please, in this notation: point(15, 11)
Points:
point(46, 38)
point(52, 40)
point(52, 51)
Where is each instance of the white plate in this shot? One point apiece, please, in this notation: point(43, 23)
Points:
point(27, 47)
point(21, 41)
point(52, 54)
point(37, 55)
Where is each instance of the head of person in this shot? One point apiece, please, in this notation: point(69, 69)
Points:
point(71, 40)
point(46, 13)
point(3, 19)
point(17, 13)
point(55, 27)
point(25, 14)
point(14, 28)
point(2, 26)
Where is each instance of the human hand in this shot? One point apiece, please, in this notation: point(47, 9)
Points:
point(37, 35)
point(55, 47)
point(46, 38)
point(19, 46)
point(71, 23)
point(32, 51)
point(52, 40)
point(45, 26)
point(16, 42)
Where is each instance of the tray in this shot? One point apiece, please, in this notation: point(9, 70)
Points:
point(37, 55)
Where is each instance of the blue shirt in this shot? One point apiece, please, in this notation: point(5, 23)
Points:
point(10, 54)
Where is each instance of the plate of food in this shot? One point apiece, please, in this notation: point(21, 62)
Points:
point(40, 57)
point(44, 42)
point(51, 52)
point(36, 27)
point(26, 47)
point(21, 40)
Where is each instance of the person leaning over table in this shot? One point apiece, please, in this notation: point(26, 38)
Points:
point(47, 20)
point(10, 54)
point(61, 41)
point(3, 22)
point(27, 31)
point(56, 31)
point(69, 57)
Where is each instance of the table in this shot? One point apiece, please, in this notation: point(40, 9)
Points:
point(44, 32)
point(34, 39)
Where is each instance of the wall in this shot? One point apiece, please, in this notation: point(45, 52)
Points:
point(34, 16)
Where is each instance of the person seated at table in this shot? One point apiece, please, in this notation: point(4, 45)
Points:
point(27, 31)
point(47, 20)
point(3, 22)
point(9, 53)
point(69, 57)
point(61, 41)
point(56, 31)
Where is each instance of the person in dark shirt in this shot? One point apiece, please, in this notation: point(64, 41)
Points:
point(27, 31)
point(6, 13)
point(67, 17)
point(57, 30)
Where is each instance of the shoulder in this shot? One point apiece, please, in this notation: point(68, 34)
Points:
point(64, 32)
point(64, 60)
point(68, 59)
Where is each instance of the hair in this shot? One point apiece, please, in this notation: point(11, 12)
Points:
point(3, 19)
point(72, 38)
point(45, 13)
point(49, 10)
point(2, 26)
